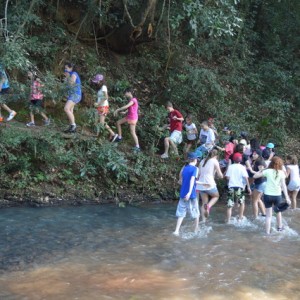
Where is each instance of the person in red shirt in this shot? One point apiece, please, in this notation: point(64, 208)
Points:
point(175, 127)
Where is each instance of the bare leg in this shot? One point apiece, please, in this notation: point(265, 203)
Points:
point(241, 211)
point(69, 110)
point(119, 124)
point(293, 196)
point(255, 197)
point(261, 206)
point(279, 220)
point(213, 200)
point(228, 215)
point(44, 116)
point(196, 224)
point(6, 108)
point(268, 219)
point(167, 145)
point(178, 224)
point(204, 198)
point(133, 134)
point(31, 117)
point(174, 147)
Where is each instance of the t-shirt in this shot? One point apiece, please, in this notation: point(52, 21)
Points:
point(255, 168)
point(101, 96)
point(207, 136)
point(273, 184)
point(229, 149)
point(5, 84)
point(190, 131)
point(236, 173)
point(36, 92)
point(133, 110)
point(76, 88)
point(207, 174)
point(294, 173)
point(175, 124)
point(187, 173)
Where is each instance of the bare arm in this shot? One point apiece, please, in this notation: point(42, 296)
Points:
point(218, 170)
point(123, 107)
point(248, 185)
point(192, 182)
point(284, 189)
point(180, 176)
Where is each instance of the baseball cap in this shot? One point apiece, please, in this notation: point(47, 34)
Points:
point(270, 145)
point(97, 78)
point(237, 157)
point(192, 155)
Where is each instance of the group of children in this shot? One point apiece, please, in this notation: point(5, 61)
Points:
point(74, 96)
point(261, 172)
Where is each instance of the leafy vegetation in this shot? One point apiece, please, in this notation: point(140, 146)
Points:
point(236, 61)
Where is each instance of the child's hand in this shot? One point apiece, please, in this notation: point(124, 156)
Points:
point(187, 197)
point(116, 112)
point(96, 104)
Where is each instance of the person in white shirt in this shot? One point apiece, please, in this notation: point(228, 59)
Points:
point(292, 170)
point(237, 177)
point(206, 185)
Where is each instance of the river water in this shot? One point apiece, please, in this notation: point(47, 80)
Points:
point(105, 252)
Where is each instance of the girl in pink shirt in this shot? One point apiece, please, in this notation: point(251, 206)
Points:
point(131, 119)
point(36, 99)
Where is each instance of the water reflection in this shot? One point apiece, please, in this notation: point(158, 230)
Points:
point(103, 252)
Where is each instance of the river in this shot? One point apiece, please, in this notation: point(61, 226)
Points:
point(106, 252)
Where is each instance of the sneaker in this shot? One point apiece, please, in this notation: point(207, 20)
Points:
point(136, 149)
point(164, 156)
point(11, 116)
point(30, 124)
point(280, 228)
point(71, 129)
point(116, 139)
point(47, 122)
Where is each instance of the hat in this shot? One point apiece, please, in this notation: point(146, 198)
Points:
point(226, 128)
point(281, 207)
point(98, 78)
point(257, 151)
point(192, 155)
point(237, 157)
point(270, 145)
point(243, 142)
point(199, 153)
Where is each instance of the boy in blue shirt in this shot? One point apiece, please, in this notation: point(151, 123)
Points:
point(188, 199)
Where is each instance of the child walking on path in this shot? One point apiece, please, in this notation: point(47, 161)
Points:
point(191, 134)
point(74, 95)
point(188, 200)
point(4, 89)
point(175, 127)
point(101, 104)
point(131, 119)
point(293, 187)
point(36, 99)
point(237, 176)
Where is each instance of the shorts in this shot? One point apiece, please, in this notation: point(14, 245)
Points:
point(4, 91)
point(293, 186)
point(260, 187)
point(103, 110)
point(36, 106)
point(191, 206)
point(235, 195)
point(210, 192)
point(176, 137)
point(131, 122)
point(74, 98)
point(37, 103)
point(191, 142)
point(223, 163)
point(272, 200)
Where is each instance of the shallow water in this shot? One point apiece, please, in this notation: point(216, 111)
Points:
point(105, 252)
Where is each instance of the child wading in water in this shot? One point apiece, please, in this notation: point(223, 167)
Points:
point(237, 176)
point(293, 187)
point(101, 104)
point(131, 119)
point(188, 198)
point(36, 99)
